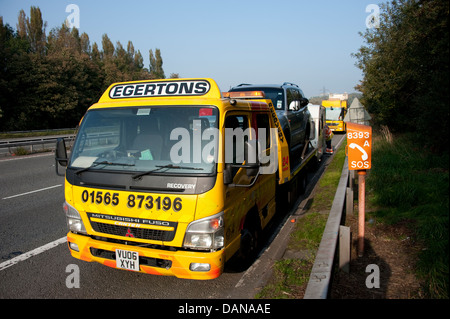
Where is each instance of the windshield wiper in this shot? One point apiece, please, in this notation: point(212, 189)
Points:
point(160, 167)
point(102, 163)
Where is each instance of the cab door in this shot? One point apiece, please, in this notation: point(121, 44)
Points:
point(247, 196)
point(265, 190)
point(238, 199)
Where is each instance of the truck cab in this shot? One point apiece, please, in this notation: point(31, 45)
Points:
point(336, 109)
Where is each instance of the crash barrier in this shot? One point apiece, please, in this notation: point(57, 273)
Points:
point(32, 142)
point(320, 277)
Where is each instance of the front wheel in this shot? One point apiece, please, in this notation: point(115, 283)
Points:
point(250, 240)
point(249, 243)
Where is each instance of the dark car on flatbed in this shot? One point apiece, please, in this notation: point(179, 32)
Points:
point(290, 104)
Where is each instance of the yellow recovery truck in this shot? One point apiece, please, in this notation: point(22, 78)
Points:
point(172, 177)
point(336, 108)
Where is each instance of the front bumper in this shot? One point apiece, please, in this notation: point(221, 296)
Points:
point(152, 261)
point(336, 126)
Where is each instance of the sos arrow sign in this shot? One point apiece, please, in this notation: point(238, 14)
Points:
point(359, 152)
point(359, 146)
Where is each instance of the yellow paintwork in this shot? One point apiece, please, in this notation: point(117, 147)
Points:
point(336, 125)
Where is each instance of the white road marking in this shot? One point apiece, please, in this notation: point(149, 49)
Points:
point(38, 190)
point(32, 253)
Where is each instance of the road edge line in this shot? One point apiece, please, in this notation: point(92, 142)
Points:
point(32, 253)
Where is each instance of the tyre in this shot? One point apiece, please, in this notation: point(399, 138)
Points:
point(250, 240)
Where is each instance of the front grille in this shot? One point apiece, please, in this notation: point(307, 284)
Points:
point(133, 232)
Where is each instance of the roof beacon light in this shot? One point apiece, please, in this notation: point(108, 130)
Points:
point(244, 95)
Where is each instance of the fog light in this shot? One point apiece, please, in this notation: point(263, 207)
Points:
point(74, 246)
point(199, 267)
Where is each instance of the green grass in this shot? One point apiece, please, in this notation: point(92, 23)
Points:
point(308, 232)
point(21, 151)
point(289, 274)
point(409, 183)
point(334, 171)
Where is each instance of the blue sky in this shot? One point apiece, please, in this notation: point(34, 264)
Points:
point(301, 41)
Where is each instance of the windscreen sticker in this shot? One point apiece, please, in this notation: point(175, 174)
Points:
point(143, 112)
point(146, 155)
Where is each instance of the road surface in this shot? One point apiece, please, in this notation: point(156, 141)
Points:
point(35, 261)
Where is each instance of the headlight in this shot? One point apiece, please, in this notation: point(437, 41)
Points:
point(205, 233)
point(74, 221)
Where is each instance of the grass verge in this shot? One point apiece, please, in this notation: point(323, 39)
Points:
point(409, 185)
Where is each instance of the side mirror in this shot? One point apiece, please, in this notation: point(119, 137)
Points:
point(294, 105)
point(304, 102)
point(60, 154)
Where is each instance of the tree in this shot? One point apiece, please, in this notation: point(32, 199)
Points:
point(156, 62)
point(22, 25)
point(85, 44)
point(405, 67)
point(49, 81)
point(16, 79)
point(33, 29)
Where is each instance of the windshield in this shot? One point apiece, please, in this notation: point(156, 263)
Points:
point(276, 95)
point(335, 113)
point(153, 140)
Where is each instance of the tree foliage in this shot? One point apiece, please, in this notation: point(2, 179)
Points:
point(156, 62)
point(49, 80)
point(405, 67)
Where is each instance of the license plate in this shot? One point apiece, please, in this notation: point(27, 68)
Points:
point(126, 259)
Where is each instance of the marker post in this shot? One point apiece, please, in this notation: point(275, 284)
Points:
point(359, 152)
point(361, 210)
